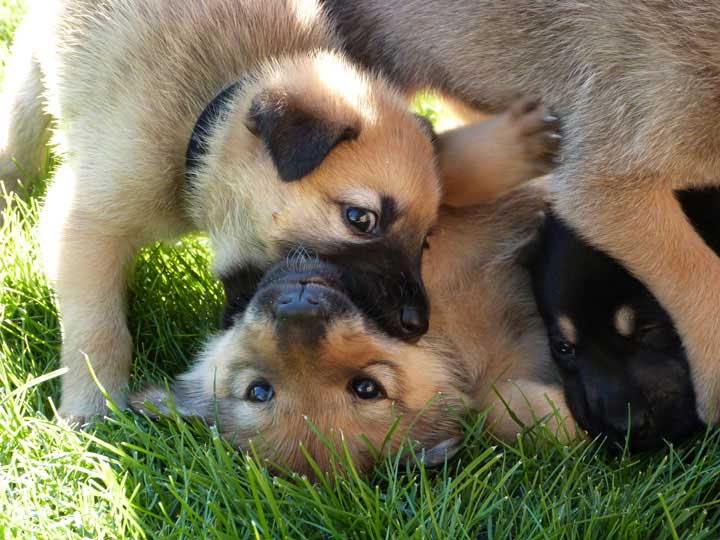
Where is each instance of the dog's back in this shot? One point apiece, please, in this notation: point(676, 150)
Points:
point(631, 79)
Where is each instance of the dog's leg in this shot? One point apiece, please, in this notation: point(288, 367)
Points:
point(481, 161)
point(518, 404)
point(86, 259)
point(641, 224)
point(24, 125)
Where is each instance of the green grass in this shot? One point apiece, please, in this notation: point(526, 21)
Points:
point(132, 478)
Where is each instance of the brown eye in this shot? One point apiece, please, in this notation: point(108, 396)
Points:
point(564, 353)
point(260, 392)
point(366, 388)
point(361, 219)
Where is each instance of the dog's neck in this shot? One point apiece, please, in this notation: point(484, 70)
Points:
point(214, 112)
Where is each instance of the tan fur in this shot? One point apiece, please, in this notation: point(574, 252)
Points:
point(482, 160)
point(125, 82)
point(23, 121)
point(636, 84)
point(625, 321)
point(486, 349)
point(567, 327)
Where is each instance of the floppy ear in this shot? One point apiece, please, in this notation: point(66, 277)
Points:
point(442, 452)
point(156, 401)
point(298, 141)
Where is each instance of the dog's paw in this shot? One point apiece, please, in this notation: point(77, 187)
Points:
point(537, 136)
point(75, 422)
point(707, 396)
point(76, 417)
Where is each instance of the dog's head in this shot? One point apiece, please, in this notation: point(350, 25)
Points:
point(311, 153)
point(302, 357)
point(623, 363)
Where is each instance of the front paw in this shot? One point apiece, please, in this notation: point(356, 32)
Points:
point(707, 395)
point(537, 135)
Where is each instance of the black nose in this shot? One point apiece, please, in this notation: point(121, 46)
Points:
point(414, 321)
point(633, 422)
point(301, 302)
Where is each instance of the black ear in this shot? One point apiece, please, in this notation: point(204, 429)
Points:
point(427, 127)
point(298, 141)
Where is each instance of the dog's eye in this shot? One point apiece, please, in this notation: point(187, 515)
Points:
point(564, 353)
point(260, 392)
point(361, 219)
point(366, 388)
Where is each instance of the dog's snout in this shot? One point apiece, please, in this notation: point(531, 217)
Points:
point(413, 323)
point(303, 301)
point(414, 320)
point(633, 421)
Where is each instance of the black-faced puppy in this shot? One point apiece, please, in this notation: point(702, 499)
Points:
point(624, 367)
point(303, 351)
point(636, 84)
point(238, 118)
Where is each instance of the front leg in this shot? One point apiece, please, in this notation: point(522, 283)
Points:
point(481, 161)
point(517, 404)
point(86, 260)
point(639, 222)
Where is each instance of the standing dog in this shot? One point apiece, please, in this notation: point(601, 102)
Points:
point(636, 84)
point(237, 117)
point(302, 357)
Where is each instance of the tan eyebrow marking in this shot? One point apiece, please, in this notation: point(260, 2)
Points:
point(567, 328)
point(625, 321)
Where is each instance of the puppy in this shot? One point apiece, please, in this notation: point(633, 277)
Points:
point(239, 118)
point(636, 86)
point(302, 358)
point(624, 367)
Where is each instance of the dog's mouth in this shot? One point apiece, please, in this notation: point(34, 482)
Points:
point(307, 295)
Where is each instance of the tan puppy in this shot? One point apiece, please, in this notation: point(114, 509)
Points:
point(303, 357)
point(237, 117)
point(301, 149)
point(636, 84)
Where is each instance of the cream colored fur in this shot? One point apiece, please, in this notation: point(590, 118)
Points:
point(125, 82)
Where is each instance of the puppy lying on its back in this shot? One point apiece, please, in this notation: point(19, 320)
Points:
point(303, 350)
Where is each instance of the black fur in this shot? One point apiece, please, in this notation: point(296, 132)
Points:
point(213, 113)
point(379, 277)
point(240, 287)
point(297, 140)
point(608, 372)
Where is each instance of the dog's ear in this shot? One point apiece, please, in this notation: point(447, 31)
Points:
point(442, 452)
point(298, 140)
point(427, 128)
point(156, 401)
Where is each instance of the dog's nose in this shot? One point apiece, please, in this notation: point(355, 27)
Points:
point(302, 302)
point(637, 419)
point(414, 323)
